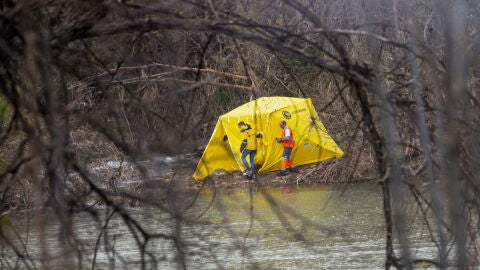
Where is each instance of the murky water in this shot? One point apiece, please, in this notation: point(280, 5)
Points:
point(324, 227)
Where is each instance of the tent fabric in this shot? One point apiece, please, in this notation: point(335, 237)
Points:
point(313, 143)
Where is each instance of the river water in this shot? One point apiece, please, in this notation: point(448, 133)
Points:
point(320, 227)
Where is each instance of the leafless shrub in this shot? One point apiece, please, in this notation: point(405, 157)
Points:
point(126, 80)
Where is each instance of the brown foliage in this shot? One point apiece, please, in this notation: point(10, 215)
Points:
point(395, 83)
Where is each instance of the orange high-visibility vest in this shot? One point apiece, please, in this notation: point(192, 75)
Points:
point(288, 143)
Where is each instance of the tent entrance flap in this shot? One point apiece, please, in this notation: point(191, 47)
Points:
point(217, 154)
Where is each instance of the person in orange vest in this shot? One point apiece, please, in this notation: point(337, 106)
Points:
point(288, 143)
point(248, 148)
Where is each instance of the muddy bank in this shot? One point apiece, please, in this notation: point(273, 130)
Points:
point(308, 175)
point(143, 181)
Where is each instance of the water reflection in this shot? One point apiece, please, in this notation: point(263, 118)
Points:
point(299, 228)
point(323, 227)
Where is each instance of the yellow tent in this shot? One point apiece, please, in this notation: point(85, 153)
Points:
point(313, 144)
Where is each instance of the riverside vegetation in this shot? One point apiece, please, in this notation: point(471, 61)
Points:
point(110, 102)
